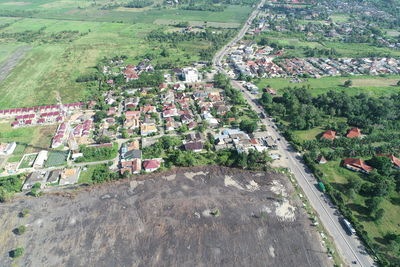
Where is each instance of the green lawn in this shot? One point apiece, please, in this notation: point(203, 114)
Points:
point(370, 85)
point(86, 176)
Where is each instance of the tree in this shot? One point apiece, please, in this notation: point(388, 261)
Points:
point(398, 83)
point(348, 83)
point(20, 230)
point(355, 184)
point(5, 196)
point(16, 252)
point(373, 204)
point(248, 126)
point(379, 214)
point(382, 164)
point(99, 115)
point(164, 53)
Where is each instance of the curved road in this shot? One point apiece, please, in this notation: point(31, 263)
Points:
point(349, 247)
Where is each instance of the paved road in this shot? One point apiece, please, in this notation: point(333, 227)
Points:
point(220, 54)
point(349, 247)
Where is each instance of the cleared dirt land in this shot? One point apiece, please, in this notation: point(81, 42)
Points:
point(205, 216)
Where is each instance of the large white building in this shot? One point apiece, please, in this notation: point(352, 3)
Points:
point(7, 149)
point(40, 159)
point(190, 75)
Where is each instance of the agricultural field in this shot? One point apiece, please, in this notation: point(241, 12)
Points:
point(80, 10)
point(370, 85)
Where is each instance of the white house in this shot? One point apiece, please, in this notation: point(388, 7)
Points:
point(7, 149)
point(190, 75)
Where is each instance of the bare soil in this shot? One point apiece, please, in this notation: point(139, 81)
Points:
point(203, 216)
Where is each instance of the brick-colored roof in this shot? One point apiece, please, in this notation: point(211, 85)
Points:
point(353, 133)
point(358, 164)
point(330, 135)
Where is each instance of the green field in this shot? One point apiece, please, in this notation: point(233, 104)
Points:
point(29, 139)
point(56, 158)
point(80, 10)
point(370, 85)
point(51, 68)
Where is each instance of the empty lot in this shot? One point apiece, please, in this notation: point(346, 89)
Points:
point(165, 219)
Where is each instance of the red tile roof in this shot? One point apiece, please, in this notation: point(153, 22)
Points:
point(358, 164)
point(151, 164)
point(353, 133)
point(330, 135)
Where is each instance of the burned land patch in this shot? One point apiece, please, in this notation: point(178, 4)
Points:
point(204, 216)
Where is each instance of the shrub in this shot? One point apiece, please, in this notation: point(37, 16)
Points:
point(20, 230)
point(16, 252)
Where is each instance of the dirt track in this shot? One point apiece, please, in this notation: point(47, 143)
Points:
point(10, 63)
point(164, 220)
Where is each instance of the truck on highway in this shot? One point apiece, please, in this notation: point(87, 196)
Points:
point(321, 186)
point(348, 227)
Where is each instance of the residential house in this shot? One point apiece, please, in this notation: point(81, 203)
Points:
point(190, 75)
point(321, 160)
point(357, 165)
point(194, 146)
point(146, 129)
point(151, 165)
point(69, 176)
point(133, 166)
point(40, 159)
point(353, 133)
point(329, 135)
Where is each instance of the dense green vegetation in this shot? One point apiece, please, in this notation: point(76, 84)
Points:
point(8, 186)
point(370, 202)
point(97, 153)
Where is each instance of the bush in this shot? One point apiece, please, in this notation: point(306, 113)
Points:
point(16, 252)
point(24, 213)
point(20, 230)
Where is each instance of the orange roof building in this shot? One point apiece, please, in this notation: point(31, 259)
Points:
point(353, 133)
point(329, 135)
point(357, 165)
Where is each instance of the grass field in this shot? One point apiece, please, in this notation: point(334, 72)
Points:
point(27, 161)
point(86, 176)
point(92, 11)
point(29, 140)
point(49, 68)
point(370, 85)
